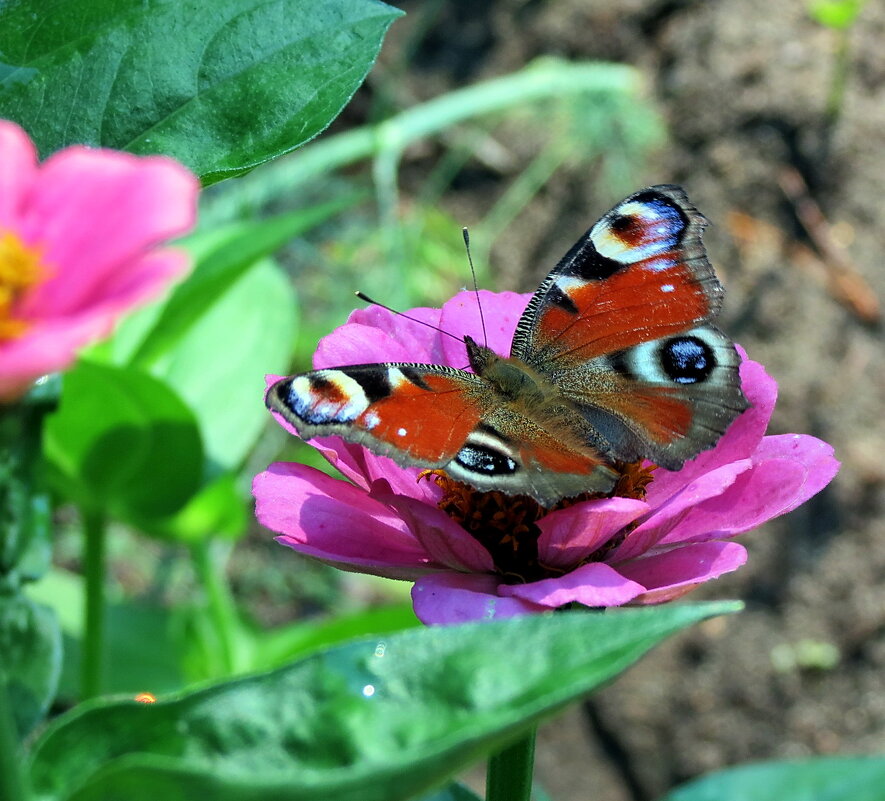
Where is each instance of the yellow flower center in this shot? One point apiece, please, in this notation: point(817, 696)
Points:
point(21, 267)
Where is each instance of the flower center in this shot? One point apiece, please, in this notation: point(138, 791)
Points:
point(20, 268)
point(506, 525)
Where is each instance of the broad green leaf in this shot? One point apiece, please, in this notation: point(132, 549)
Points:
point(222, 258)
point(123, 440)
point(219, 509)
point(221, 86)
point(821, 779)
point(381, 719)
point(30, 658)
point(218, 367)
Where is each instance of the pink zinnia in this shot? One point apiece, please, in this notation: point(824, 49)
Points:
point(78, 247)
point(482, 555)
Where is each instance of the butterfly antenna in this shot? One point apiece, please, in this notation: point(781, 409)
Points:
point(364, 297)
point(466, 234)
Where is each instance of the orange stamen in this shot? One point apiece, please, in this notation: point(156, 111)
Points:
point(506, 524)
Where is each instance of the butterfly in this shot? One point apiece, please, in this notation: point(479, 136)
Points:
point(613, 360)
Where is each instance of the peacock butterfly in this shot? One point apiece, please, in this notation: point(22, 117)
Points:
point(613, 360)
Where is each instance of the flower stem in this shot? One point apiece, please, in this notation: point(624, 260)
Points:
point(92, 663)
point(509, 772)
point(12, 782)
point(222, 608)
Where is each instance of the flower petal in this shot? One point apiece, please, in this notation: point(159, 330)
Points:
point(593, 584)
point(817, 456)
point(669, 516)
point(673, 573)
point(423, 341)
point(442, 599)
point(569, 535)
point(738, 442)
point(787, 471)
point(92, 212)
point(460, 315)
point(365, 468)
point(359, 344)
point(447, 543)
point(51, 344)
point(336, 522)
point(18, 170)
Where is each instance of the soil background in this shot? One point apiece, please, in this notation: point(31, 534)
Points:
point(742, 87)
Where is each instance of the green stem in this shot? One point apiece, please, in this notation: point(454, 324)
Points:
point(208, 566)
point(92, 664)
point(542, 79)
point(12, 781)
point(509, 773)
point(839, 79)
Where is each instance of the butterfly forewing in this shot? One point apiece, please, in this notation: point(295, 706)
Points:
point(638, 274)
point(418, 414)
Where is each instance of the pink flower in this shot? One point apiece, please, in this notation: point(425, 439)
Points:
point(78, 247)
point(651, 547)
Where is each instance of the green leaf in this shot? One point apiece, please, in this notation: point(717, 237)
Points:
point(221, 86)
point(219, 367)
point(123, 440)
point(820, 779)
point(217, 510)
point(381, 719)
point(222, 258)
point(454, 792)
point(30, 658)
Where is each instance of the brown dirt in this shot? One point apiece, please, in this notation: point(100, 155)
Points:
point(742, 87)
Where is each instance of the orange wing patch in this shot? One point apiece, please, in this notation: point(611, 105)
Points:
point(640, 303)
point(430, 425)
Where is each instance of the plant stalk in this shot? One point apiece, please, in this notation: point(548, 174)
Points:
point(222, 609)
point(92, 663)
point(509, 772)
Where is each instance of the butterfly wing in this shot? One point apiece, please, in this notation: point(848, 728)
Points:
point(621, 327)
point(418, 414)
point(424, 415)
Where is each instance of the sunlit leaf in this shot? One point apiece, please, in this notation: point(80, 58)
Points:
point(123, 440)
point(221, 86)
point(375, 720)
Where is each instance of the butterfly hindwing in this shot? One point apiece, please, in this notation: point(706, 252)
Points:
point(620, 326)
point(665, 400)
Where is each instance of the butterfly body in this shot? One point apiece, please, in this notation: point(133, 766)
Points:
point(614, 359)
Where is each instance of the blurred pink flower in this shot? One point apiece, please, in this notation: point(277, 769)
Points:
point(664, 540)
point(78, 247)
